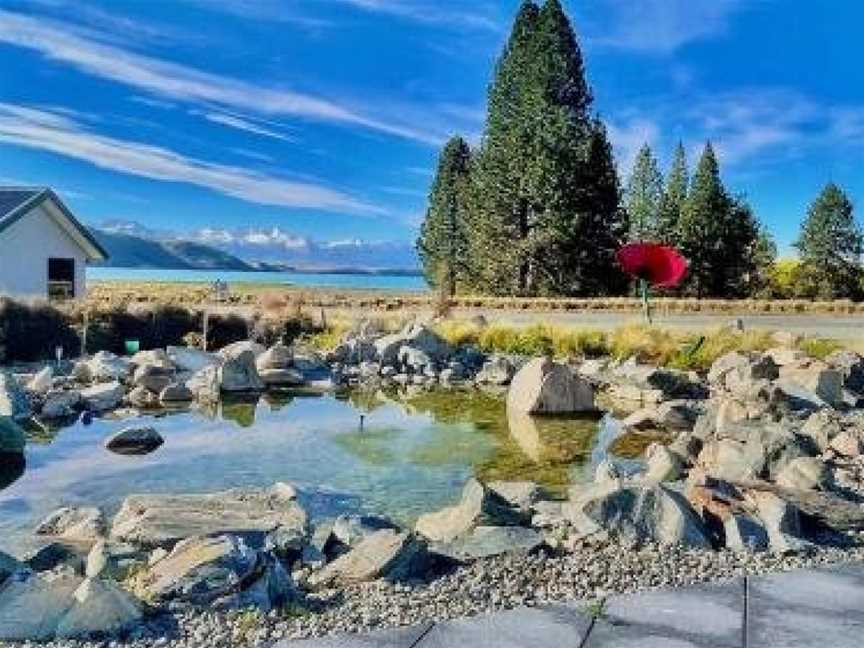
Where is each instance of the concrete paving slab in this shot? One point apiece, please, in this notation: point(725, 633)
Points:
point(702, 616)
point(395, 638)
point(809, 608)
point(553, 626)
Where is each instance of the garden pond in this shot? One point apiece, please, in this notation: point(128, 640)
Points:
point(391, 454)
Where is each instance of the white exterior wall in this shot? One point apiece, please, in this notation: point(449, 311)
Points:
point(25, 248)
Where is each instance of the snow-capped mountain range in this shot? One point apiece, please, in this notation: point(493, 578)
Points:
point(275, 246)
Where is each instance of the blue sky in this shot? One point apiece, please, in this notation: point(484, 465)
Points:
point(324, 117)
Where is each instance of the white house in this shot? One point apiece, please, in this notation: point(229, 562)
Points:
point(44, 250)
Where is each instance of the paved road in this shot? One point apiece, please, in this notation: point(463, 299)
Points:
point(841, 327)
point(803, 609)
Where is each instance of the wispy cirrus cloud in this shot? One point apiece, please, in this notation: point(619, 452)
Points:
point(239, 123)
point(659, 26)
point(474, 15)
point(182, 83)
point(60, 134)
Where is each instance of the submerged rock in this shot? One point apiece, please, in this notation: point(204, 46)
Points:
point(163, 520)
point(137, 440)
point(31, 608)
point(545, 387)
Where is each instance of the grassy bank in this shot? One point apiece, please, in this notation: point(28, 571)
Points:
point(252, 295)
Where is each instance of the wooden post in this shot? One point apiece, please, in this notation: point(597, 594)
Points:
point(206, 322)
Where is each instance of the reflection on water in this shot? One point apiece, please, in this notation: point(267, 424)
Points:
point(11, 468)
point(413, 454)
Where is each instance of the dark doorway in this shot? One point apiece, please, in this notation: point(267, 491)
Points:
point(61, 278)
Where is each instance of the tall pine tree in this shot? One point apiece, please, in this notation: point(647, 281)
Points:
point(674, 197)
point(830, 247)
point(535, 230)
point(443, 242)
point(643, 197)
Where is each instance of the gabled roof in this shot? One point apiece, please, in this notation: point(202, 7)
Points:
point(17, 202)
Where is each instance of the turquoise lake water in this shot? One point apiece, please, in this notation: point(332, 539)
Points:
point(413, 455)
point(397, 283)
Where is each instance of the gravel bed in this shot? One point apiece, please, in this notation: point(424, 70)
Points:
point(486, 586)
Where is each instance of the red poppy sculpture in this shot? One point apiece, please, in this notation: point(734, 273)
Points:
point(653, 265)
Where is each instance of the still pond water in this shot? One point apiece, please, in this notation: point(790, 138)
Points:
point(412, 455)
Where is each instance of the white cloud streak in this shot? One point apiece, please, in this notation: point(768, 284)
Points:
point(180, 82)
point(42, 130)
point(238, 123)
point(430, 12)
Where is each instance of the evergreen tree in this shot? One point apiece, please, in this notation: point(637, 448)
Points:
point(644, 196)
point(701, 228)
point(443, 242)
point(529, 201)
point(830, 247)
point(674, 197)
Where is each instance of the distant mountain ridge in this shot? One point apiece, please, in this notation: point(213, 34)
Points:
point(131, 244)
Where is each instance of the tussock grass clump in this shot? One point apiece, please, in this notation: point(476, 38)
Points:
point(698, 352)
point(645, 343)
point(819, 348)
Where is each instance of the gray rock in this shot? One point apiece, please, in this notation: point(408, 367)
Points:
point(142, 398)
point(59, 404)
point(99, 608)
point(822, 427)
point(497, 370)
point(152, 377)
point(113, 560)
point(42, 382)
point(163, 520)
point(63, 558)
point(545, 387)
point(485, 542)
point(782, 521)
point(817, 378)
point(176, 393)
point(413, 359)
point(12, 437)
point(354, 351)
point(521, 495)
point(193, 360)
point(726, 459)
point(103, 397)
point(851, 367)
point(848, 443)
point(204, 384)
point(386, 554)
point(278, 356)
point(282, 377)
point(238, 373)
point(661, 465)
point(107, 367)
point(13, 399)
point(352, 529)
point(136, 440)
point(31, 608)
point(236, 349)
point(479, 506)
point(84, 524)
point(805, 473)
point(770, 448)
point(724, 364)
point(415, 336)
point(783, 356)
point(645, 514)
point(9, 566)
point(153, 357)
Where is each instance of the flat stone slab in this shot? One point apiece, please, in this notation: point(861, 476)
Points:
point(397, 638)
point(823, 607)
point(553, 626)
point(703, 616)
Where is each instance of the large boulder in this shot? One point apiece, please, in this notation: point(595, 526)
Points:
point(479, 506)
point(281, 377)
point(221, 571)
point(661, 465)
point(9, 566)
point(163, 520)
point(781, 519)
point(354, 351)
point(135, 440)
point(12, 438)
point(60, 404)
point(350, 530)
point(817, 377)
point(546, 387)
point(415, 336)
point(42, 381)
point(176, 393)
point(386, 554)
point(103, 397)
point(13, 398)
point(805, 473)
point(278, 356)
point(237, 349)
point(152, 377)
point(104, 366)
point(646, 514)
point(192, 360)
point(724, 364)
point(153, 357)
point(31, 607)
point(851, 367)
point(497, 370)
point(99, 608)
point(488, 541)
point(83, 525)
point(728, 517)
point(239, 374)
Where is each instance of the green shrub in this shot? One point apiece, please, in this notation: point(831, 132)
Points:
point(153, 328)
point(31, 332)
point(223, 330)
point(820, 348)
